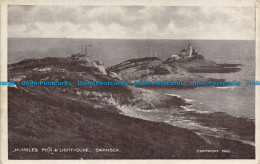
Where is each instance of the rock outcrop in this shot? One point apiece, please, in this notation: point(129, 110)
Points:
point(88, 61)
point(154, 69)
point(198, 64)
point(149, 69)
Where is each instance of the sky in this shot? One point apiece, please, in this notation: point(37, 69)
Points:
point(131, 22)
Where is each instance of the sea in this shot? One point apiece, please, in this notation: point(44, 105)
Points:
point(217, 111)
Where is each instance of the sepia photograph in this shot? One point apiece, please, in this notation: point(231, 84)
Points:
point(131, 82)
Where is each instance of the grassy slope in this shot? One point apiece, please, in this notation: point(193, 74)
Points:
point(42, 121)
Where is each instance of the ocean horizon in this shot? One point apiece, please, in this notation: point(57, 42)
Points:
point(115, 51)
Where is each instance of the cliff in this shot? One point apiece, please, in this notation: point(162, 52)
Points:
point(89, 116)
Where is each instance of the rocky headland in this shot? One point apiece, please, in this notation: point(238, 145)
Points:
point(76, 116)
point(153, 68)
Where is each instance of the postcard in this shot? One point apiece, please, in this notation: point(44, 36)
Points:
point(130, 81)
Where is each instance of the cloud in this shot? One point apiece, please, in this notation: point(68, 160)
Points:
point(132, 22)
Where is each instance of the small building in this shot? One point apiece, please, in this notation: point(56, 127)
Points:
point(191, 52)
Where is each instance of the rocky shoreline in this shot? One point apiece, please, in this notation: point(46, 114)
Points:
point(73, 116)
